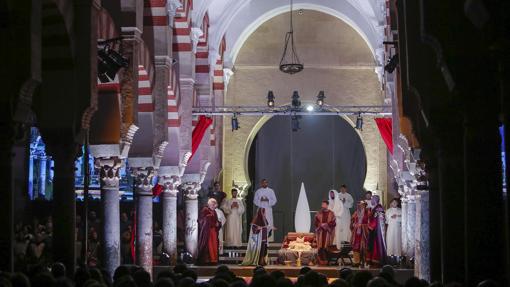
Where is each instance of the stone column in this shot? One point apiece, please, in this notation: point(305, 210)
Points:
point(410, 225)
point(31, 177)
point(422, 248)
point(7, 196)
point(109, 180)
point(170, 179)
point(404, 225)
point(63, 151)
point(143, 181)
point(42, 176)
point(191, 186)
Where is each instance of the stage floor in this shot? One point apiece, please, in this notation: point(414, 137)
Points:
point(205, 272)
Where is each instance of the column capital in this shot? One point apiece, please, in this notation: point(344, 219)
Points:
point(191, 185)
point(143, 179)
point(170, 179)
point(163, 61)
point(108, 171)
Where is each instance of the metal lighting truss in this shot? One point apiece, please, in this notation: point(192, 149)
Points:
point(288, 110)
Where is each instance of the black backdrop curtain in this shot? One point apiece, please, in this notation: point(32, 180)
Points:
point(325, 153)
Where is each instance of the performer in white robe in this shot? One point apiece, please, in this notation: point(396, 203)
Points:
point(222, 220)
point(337, 207)
point(394, 232)
point(265, 198)
point(344, 222)
point(234, 209)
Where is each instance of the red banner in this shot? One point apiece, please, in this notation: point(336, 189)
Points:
point(198, 133)
point(385, 126)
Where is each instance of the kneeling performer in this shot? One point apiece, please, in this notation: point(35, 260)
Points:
point(256, 253)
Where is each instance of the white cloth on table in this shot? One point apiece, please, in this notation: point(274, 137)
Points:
point(394, 232)
point(234, 225)
point(267, 205)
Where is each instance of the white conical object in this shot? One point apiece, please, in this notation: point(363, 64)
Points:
point(302, 219)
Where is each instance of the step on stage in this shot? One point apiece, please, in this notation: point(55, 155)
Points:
point(204, 272)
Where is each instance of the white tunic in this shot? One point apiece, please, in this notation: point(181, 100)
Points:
point(343, 223)
point(394, 232)
point(337, 207)
point(222, 219)
point(234, 225)
point(268, 205)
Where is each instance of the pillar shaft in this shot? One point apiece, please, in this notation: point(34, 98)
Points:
point(422, 248)
point(7, 201)
point(109, 176)
point(404, 226)
point(64, 206)
point(42, 176)
point(410, 226)
point(169, 203)
point(191, 234)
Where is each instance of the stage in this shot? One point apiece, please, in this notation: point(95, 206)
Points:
point(205, 272)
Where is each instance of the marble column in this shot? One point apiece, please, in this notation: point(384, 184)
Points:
point(143, 181)
point(422, 248)
point(191, 186)
point(42, 176)
point(170, 179)
point(404, 201)
point(411, 225)
point(109, 181)
point(31, 177)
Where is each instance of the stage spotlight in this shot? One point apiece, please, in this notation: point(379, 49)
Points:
point(320, 99)
point(309, 108)
point(270, 99)
point(295, 123)
point(359, 122)
point(235, 123)
point(109, 63)
point(296, 103)
point(392, 64)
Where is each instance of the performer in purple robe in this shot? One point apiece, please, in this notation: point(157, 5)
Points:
point(208, 228)
point(376, 255)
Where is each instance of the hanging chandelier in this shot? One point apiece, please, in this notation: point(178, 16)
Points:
point(290, 63)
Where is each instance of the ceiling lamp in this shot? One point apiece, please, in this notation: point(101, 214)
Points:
point(290, 63)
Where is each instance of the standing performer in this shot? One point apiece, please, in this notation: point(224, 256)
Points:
point(368, 199)
point(360, 231)
point(324, 231)
point(222, 220)
point(256, 252)
point(376, 255)
point(208, 227)
point(217, 193)
point(344, 222)
point(337, 207)
point(394, 232)
point(234, 209)
point(265, 198)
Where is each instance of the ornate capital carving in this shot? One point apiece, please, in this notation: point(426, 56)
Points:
point(170, 179)
point(171, 7)
point(190, 189)
point(108, 171)
point(227, 74)
point(143, 179)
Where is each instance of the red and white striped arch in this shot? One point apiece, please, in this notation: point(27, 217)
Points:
point(202, 67)
point(155, 13)
point(174, 102)
point(182, 28)
point(145, 80)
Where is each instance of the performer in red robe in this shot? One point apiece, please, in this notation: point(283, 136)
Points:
point(376, 255)
point(324, 231)
point(208, 228)
point(360, 231)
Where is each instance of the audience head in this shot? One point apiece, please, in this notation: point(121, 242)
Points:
point(164, 282)
point(378, 282)
point(304, 270)
point(66, 282)
point(413, 282)
point(125, 281)
point(186, 282)
point(43, 279)
point(190, 274)
point(58, 270)
point(277, 274)
point(284, 282)
point(180, 268)
point(259, 270)
point(361, 279)
point(218, 282)
point(339, 283)
point(142, 278)
point(238, 282)
point(120, 272)
point(263, 280)
point(20, 280)
point(345, 273)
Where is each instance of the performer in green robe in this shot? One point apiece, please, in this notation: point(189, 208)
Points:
point(256, 253)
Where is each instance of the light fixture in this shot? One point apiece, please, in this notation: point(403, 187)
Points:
point(309, 108)
point(289, 62)
point(295, 123)
point(109, 63)
point(235, 123)
point(270, 99)
point(359, 122)
point(392, 64)
point(296, 103)
point(320, 99)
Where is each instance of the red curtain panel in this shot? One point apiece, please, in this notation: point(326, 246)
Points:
point(198, 133)
point(386, 130)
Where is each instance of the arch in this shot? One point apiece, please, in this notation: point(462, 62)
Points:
point(258, 126)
